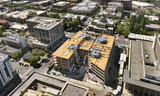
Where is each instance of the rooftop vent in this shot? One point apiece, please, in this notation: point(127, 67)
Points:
point(95, 53)
point(83, 36)
point(102, 40)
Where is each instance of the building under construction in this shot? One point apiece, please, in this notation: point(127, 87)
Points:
point(81, 48)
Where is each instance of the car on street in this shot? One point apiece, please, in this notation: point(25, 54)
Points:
point(12, 60)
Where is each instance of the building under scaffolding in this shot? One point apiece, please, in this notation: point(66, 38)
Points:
point(80, 47)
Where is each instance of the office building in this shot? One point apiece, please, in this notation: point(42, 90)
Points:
point(60, 6)
point(40, 3)
point(44, 32)
point(5, 70)
point(16, 41)
point(85, 7)
point(76, 49)
point(142, 76)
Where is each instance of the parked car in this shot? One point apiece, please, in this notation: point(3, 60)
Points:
point(19, 63)
point(12, 60)
point(27, 65)
point(24, 64)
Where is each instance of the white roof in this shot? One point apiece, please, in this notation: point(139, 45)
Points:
point(115, 92)
point(144, 4)
point(123, 57)
point(141, 37)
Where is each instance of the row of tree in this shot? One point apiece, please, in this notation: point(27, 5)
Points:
point(54, 16)
point(24, 6)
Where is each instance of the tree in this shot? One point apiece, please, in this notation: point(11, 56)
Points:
point(34, 53)
point(3, 29)
point(1, 32)
point(79, 19)
point(15, 56)
point(126, 29)
point(50, 15)
point(22, 34)
point(143, 23)
point(132, 22)
point(2, 41)
point(136, 28)
point(33, 60)
point(68, 10)
point(38, 8)
point(41, 53)
point(122, 16)
point(46, 50)
point(65, 24)
point(19, 53)
point(119, 29)
point(128, 15)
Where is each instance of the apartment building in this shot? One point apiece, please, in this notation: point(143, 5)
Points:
point(78, 48)
point(5, 70)
point(16, 41)
point(44, 32)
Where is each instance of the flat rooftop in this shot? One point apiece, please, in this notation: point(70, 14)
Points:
point(61, 3)
point(138, 70)
point(144, 4)
point(3, 56)
point(105, 50)
point(152, 26)
point(64, 51)
point(9, 49)
point(44, 22)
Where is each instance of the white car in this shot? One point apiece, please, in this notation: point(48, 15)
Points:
point(12, 60)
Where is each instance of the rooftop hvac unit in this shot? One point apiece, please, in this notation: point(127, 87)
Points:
point(95, 53)
point(102, 40)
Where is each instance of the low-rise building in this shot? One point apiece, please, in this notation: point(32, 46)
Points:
point(19, 28)
point(24, 15)
point(152, 27)
point(4, 23)
point(76, 49)
point(118, 5)
point(4, 1)
point(44, 32)
point(133, 36)
point(102, 25)
point(41, 3)
point(73, 16)
point(141, 5)
point(20, 2)
point(85, 7)
point(142, 75)
point(6, 70)
point(16, 41)
point(60, 6)
point(152, 17)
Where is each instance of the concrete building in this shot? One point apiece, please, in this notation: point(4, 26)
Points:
point(4, 23)
point(152, 27)
point(76, 49)
point(9, 50)
point(5, 70)
point(141, 5)
point(60, 6)
point(142, 77)
point(19, 28)
point(40, 3)
point(24, 15)
point(102, 25)
point(156, 46)
point(20, 2)
point(4, 1)
point(50, 85)
point(118, 5)
point(133, 36)
point(16, 41)
point(84, 7)
point(44, 32)
point(152, 17)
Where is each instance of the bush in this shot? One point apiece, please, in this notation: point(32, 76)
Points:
point(33, 60)
point(46, 50)
point(2, 41)
point(22, 34)
point(41, 53)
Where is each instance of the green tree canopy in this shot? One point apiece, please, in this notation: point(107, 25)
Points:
point(41, 53)
point(33, 60)
point(22, 34)
point(2, 41)
point(34, 53)
point(46, 50)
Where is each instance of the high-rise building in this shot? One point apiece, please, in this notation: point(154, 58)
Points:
point(45, 32)
point(5, 70)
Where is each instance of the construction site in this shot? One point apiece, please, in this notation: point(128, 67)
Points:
point(82, 50)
